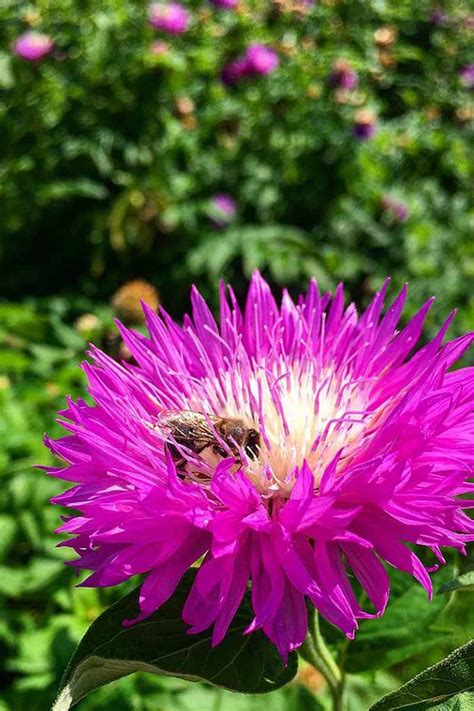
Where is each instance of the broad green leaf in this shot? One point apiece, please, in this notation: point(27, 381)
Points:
point(8, 528)
point(6, 75)
point(463, 583)
point(445, 686)
point(406, 629)
point(161, 645)
point(18, 582)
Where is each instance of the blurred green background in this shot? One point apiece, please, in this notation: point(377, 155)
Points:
point(111, 151)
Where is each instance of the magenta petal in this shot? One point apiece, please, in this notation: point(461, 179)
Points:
point(161, 583)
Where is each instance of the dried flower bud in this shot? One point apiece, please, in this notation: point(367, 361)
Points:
point(385, 36)
point(184, 105)
point(127, 300)
point(86, 324)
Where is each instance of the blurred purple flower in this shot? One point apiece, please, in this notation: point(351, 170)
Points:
point(364, 125)
point(466, 75)
point(261, 59)
point(438, 17)
point(396, 208)
point(159, 48)
point(224, 4)
point(171, 17)
point(343, 76)
point(234, 71)
point(223, 209)
point(33, 46)
point(257, 59)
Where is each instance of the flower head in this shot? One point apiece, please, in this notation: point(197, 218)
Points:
point(225, 4)
point(222, 210)
point(364, 125)
point(127, 301)
point(397, 209)
point(33, 46)
point(385, 36)
point(234, 71)
point(158, 48)
point(438, 17)
point(288, 444)
point(343, 76)
point(261, 59)
point(258, 59)
point(466, 75)
point(171, 17)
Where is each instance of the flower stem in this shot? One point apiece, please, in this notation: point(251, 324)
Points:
point(315, 651)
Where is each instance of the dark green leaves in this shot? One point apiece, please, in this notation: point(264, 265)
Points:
point(409, 626)
point(464, 582)
point(446, 686)
point(161, 645)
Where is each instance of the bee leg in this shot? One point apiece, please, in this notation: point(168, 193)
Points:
point(178, 460)
point(220, 451)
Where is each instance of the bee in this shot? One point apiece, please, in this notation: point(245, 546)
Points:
point(194, 430)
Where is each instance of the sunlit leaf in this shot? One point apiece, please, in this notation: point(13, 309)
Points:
point(160, 645)
point(446, 686)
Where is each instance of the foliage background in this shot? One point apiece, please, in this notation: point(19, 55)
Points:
point(109, 156)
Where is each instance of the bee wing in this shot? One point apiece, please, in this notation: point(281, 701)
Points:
point(190, 429)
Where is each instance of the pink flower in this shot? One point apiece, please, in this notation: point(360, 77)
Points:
point(257, 59)
point(467, 76)
point(171, 17)
point(222, 210)
point(261, 59)
point(225, 4)
point(33, 46)
point(234, 71)
point(397, 209)
point(343, 76)
point(349, 448)
point(158, 48)
point(365, 126)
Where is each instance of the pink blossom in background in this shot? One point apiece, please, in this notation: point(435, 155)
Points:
point(256, 60)
point(365, 125)
point(33, 46)
point(225, 4)
point(438, 17)
point(234, 71)
point(159, 48)
point(223, 209)
point(261, 59)
point(467, 76)
point(396, 208)
point(171, 17)
point(343, 76)
point(365, 447)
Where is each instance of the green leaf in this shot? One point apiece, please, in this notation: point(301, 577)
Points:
point(445, 686)
point(161, 645)
point(464, 583)
point(8, 527)
point(406, 629)
point(81, 187)
point(17, 582)
point(7, 79)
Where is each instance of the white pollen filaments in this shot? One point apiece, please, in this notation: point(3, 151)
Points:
point(300, 414)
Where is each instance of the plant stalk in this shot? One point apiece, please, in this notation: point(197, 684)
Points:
point(315, 652)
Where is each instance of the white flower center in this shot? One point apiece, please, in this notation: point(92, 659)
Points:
point(302, 415)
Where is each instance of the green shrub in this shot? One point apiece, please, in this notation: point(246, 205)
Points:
point(110, 153)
